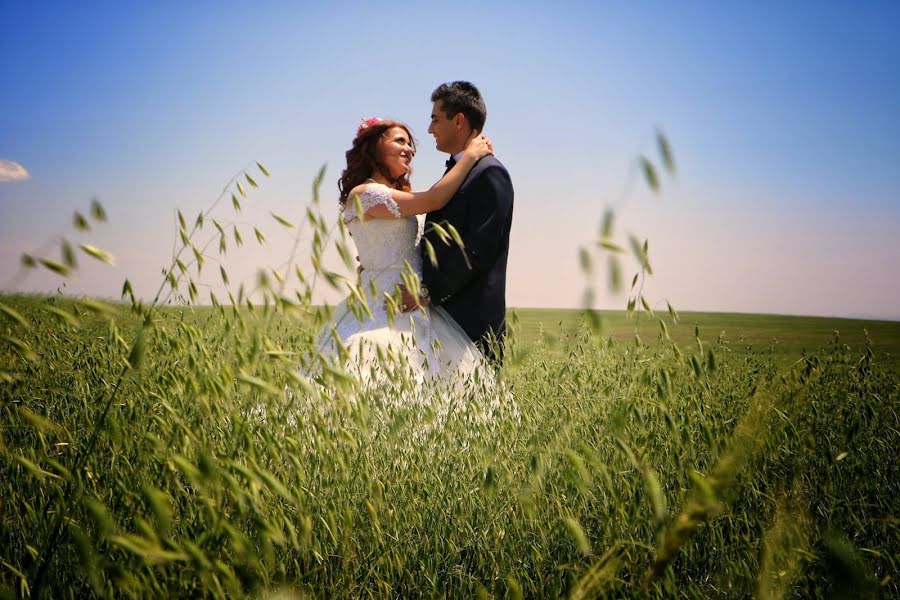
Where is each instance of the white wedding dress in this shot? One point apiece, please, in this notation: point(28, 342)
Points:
point(420, 363)
point(428, 344)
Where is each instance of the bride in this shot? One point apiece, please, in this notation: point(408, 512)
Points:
point(383, 218)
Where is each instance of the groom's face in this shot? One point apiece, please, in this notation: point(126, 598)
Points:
point(445, 129)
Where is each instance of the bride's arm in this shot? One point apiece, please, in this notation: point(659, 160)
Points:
point(416, 203)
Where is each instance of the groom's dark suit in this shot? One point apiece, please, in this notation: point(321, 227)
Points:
point(474, 294)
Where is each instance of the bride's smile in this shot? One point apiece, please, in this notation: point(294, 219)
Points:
point(395, 152)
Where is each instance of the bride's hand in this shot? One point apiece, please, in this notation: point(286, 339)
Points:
point(479, 146)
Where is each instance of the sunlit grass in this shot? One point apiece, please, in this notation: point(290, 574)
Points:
point(180, 450)
point(621, 456)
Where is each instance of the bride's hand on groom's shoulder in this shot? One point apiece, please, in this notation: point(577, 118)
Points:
point(479, 145)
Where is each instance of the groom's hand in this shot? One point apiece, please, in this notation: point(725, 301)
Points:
point(409, 301)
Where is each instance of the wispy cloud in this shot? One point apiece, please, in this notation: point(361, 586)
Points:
point(10, 170)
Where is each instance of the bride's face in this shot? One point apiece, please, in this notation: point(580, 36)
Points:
point(394, 152)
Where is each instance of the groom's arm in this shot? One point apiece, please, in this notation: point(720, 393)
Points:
point(482, 236)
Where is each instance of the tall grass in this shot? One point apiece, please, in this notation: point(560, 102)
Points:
point(724, 482)
point(157, 451)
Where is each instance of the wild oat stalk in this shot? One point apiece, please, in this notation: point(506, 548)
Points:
point(709, 493)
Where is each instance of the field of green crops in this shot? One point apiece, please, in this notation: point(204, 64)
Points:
point(168, 449)
point(786, 338)
point(177, 453)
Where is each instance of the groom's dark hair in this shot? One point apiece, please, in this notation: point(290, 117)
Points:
point(462, 97)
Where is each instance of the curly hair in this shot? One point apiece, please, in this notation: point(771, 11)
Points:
point(362, 160)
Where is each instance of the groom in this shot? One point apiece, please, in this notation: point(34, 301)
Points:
point(469, 282)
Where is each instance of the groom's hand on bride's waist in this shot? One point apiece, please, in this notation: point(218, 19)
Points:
point(410, 301)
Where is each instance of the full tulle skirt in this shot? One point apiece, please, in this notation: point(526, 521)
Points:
point(420, 361)
point(427, 343)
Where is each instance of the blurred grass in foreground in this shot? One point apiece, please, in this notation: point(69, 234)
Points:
point(697, 469)
point(153, 451)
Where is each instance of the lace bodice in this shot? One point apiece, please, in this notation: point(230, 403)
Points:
point(384, 244)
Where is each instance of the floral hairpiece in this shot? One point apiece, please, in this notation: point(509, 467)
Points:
point(366, 123)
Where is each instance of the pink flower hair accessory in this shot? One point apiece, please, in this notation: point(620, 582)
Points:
point(366, 123)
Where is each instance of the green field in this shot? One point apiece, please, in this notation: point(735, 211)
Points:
point(786, 337)
point(160, 454)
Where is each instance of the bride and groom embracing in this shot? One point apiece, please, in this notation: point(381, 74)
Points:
point(441, 253)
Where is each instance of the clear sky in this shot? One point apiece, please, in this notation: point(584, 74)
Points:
point(784, 119)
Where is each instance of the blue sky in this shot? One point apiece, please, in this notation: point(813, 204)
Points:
point(785, 121)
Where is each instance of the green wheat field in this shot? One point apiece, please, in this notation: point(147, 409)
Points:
point(721, 455)
point(170, 449)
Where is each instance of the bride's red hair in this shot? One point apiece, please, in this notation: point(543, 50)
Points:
point(362, 160)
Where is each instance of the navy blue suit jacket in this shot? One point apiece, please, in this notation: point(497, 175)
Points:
point(474, 291)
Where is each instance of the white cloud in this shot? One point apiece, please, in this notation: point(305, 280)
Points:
point(12, 171)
